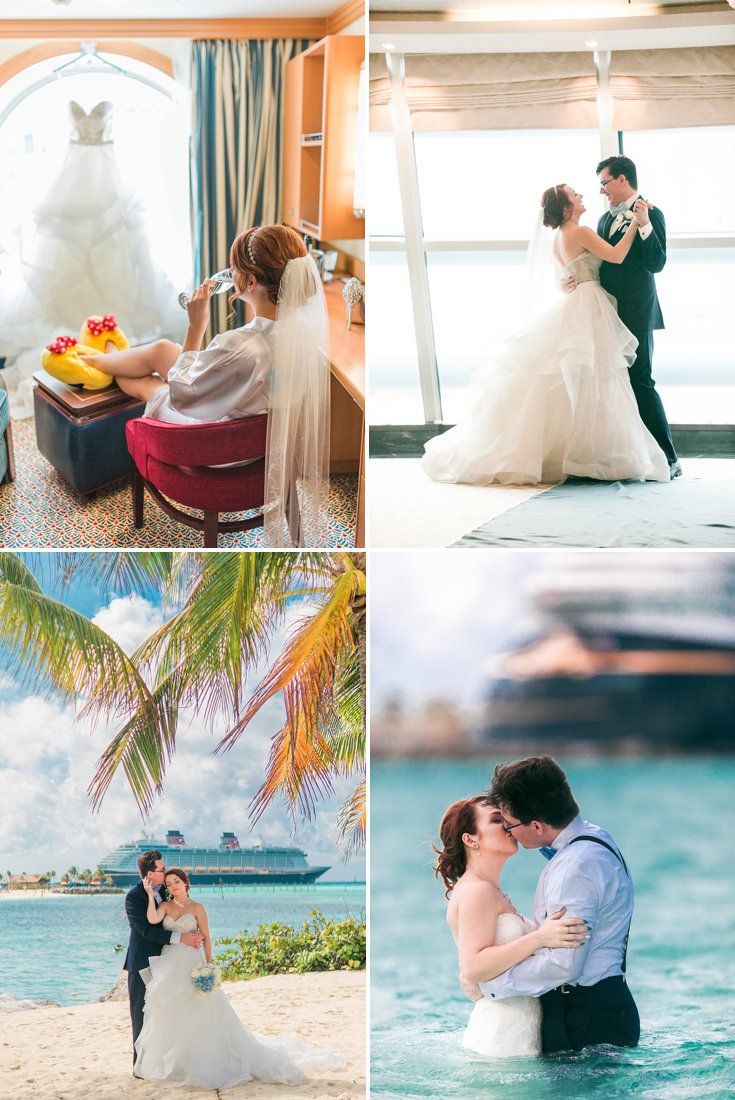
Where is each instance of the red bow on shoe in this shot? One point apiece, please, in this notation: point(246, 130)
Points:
point(106, 324)
point(61, 344)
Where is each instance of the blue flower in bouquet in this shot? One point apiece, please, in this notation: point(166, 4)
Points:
point(206, 977)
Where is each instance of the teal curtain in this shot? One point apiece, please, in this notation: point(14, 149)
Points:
point(237, 93)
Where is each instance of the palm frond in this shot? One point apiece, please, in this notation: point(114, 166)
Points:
point(352, 822)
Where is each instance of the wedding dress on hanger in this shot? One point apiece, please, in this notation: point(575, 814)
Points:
point(87, 252)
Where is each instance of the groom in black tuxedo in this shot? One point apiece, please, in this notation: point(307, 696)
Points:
point(147, 939)
point(633, 286)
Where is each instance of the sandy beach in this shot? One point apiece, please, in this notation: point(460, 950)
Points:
point(84, 1052)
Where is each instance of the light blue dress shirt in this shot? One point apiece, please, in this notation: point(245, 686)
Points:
point(593, 884)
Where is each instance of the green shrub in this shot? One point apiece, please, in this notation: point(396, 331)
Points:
point(319, 944)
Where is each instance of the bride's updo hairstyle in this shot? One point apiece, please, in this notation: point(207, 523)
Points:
point(459, 819)
point(179, 874)
point(264, 252)
point(554, 202)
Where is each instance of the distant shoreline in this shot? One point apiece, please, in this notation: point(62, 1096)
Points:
point(38, 895)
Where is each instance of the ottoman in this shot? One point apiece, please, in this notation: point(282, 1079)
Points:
point(82, 434)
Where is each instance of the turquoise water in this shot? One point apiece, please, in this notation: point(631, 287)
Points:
point(63, 948)
point(674, 822)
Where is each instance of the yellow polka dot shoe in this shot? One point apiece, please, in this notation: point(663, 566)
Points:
point(62, 359)
point(97, 331)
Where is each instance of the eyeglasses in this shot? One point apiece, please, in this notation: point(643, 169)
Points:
point(509, 828)
point(604, 183)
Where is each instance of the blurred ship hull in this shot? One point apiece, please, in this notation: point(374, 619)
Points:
point(676, 711)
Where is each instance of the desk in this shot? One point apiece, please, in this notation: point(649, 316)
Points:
point(347, 431)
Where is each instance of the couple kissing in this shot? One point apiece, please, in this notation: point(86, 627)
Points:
point(557, 982)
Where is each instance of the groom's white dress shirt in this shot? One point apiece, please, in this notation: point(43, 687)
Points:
point(175, 936)
point(593, 884)
point(618, 219)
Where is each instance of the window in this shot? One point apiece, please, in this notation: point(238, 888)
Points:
point(690, 172)
point(478, 195)
point(488, 184)
point(151, 136)
point(394, 375)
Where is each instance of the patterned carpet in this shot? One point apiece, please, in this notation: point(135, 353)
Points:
point(40, 510)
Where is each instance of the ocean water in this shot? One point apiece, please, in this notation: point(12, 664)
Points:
point(674, 821)
point(63, 948)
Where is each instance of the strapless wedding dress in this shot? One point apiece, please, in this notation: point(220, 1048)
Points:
point(509, 1028)
point(557, 401)
point(193, 1038)
point(86, 251)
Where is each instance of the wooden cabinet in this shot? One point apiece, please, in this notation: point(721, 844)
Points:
point(320, 139)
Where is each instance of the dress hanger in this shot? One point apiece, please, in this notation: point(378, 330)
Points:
point(87, 61)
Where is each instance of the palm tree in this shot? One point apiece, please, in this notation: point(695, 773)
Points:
point(225, 612)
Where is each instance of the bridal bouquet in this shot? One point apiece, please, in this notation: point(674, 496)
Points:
point(206, 977)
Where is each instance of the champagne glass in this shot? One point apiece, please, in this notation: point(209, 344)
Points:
point(218, 284)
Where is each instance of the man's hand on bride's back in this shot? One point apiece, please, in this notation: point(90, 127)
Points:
point(568, 284)
point(561, 931)
point(192, 939)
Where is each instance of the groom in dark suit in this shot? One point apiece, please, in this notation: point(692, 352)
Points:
point(147, 939)
point(633, 286)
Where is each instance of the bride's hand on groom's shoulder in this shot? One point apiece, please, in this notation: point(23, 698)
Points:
point(470, 989)
point(560, 931)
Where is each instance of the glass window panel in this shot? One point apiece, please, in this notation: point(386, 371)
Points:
point(477, 299)
point(690, 173)
point(393, 361)
point(385, 218)
point(487, 184)
point(148, 129)
point(694, 356)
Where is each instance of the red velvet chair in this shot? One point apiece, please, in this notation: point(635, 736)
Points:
point(163, 457)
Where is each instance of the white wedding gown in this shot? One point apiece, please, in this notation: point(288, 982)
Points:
point(86, 252)
point(511, 1027)
point(194, 1038)
point(557, 401)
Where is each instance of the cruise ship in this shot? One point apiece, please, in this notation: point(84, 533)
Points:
point(638, 649)
point(228, 864)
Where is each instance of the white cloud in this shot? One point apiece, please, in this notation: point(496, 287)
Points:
point(129, 620)
point(46, 821)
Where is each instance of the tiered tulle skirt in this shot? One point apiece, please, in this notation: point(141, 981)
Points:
point(557, 401)
point(193, 1038)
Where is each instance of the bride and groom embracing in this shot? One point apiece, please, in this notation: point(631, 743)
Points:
point(556, 983)
point(572, 392)
point(181, 1034)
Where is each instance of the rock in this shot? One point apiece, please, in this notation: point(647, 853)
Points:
point(118, 991)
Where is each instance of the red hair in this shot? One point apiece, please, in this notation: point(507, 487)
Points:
point(555, 201)
point(179, 874)
point(460, 818)
point(264, 252)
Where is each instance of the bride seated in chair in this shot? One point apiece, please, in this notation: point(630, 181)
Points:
point(277, 363)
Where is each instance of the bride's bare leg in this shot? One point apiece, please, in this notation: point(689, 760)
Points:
point(155, 358)
point(142, 388)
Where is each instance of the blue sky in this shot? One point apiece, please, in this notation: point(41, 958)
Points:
point(47, 760)
point(438, 620)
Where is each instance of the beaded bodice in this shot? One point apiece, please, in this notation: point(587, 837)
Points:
point(585, 268)
point(94, 128)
